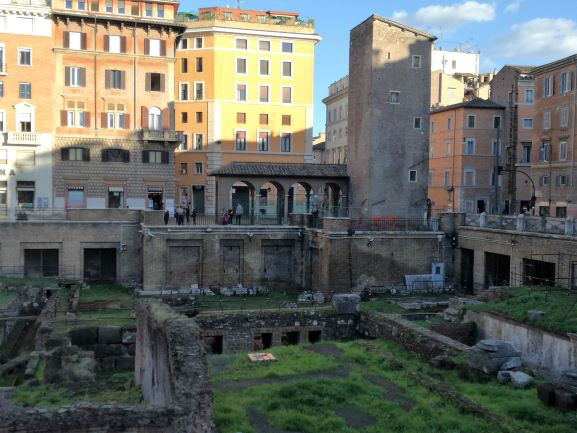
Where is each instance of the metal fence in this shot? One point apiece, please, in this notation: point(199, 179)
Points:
point(39, 271)
point(32, 214)
point(523, 223)
point(394, 225)
point(209, 220)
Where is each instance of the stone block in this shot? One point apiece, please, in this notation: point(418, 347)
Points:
point(347, 303)
point(565, 400)
point(84, 335)
point(546, 393)
point(521, 380)
point(109, 334)
point(128, 337)
point(535, 315)
point(512, 364)
point(124, 362)
point(503, 377)
point(104, 350)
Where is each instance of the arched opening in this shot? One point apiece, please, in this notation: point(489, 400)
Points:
point(270, 203)
point(155, 118)
point(299, 198)
point(241, 203)
point(331, 202)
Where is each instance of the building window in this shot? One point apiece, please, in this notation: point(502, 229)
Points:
point(527, 123)
point(287, 95)
point(261, 19)
point(184, 66)
point(286, 120)
point(114, 44)
point(25, 191)
point(148, 9)
point(469, 146)
point(496, 147)
point(564, 117)
point(24, 57)
point(241, 44)
point(25, 91)
point(263, 67)
point(447, 178)
point(184, 44)
point(115, 197)
point(159, 10)
point(287, 69)
point(198, 168)
point(25, 158)
point(529, 95)
point(228, 16)
point(432, 126)
point(497, 122)
point(545, 152)
point(81, 5)
point(544, 180)
point(395, 97)
point(285, 142)
point(1, 89)
point(241, 118)
point(68, 4)
point(241, 65)
point(154, 47)
point(562, 150)
point(115, 79)
point(562, 180)
point(526, 153)
point(471, 121)
point(75, 197)
point(263, 140)
point(561, 212)
point(565, 84)
point(198, 64)
point(240, 140)
point(449, 123)
point(155, 157)
point(108, 7)
point(198, 141)
point(454, 64)
point(184, 144)
point(547, 87)
point(495, 177)
point(264, 45)
point(199, 42)
point(121, 7)
point(448, 150)
point(75, 40)
point(135, 9)
point(244, 17)
point(199, 117)
point(469, 177)
point(413, 176)
point(74, 76)
point(241, 92)
point(416, 63)
point(183, 168)
point(287, 47)
point(417, 123)
point(183, 91)
point(546, 120)
point(24, 122)
point(184, 117)
point(263, 119)
point(198, 91)
point(263, 92)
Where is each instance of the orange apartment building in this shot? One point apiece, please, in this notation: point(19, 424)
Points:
point(514, 88)
point(257, 105)
point(465, 148)
point(113, 92)
point(553, 164)
point(26, 74)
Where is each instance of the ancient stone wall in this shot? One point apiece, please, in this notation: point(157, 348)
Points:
point(243, 332)
point(171, 366)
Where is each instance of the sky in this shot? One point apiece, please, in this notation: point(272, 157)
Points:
point(521, 32)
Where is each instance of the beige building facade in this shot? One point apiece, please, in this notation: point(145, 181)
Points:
point(337, 105)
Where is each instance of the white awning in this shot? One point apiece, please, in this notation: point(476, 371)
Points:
point(115, 189)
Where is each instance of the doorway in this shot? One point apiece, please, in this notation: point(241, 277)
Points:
point(41, 263)
point(538, 273)
point(198, 198)
point(481, 206)
point(100, 264)
point(467, 268)
point(155, 199)
point(497, 270)
point(230, 264)
point(290, 338)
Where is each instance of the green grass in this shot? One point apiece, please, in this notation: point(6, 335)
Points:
point(107, 317)
point(272, 301)
point(111, 388)
point(311, 405)
point(560, 308)
point(381, 306)
point(122, 315)
point(28, 281)
point(6, 296)
point(104, 292)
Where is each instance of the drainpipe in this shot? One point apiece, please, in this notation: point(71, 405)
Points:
point(134, 74)
point(573, 126)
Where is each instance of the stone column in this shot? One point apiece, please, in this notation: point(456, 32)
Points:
point(308, 202)
point(569, 226)
point(521, 222)
point(483, 219)
point(286, 206)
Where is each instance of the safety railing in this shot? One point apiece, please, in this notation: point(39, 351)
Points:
point(523, 223)
point(22, 214)
point(394, 225)
point(49, 273)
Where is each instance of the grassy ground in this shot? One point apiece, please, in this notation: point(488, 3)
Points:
point(110, 388)
point(27, 281)
point(272, 301)
point(560, 307)
point(6, 296)
point(316, 402)
point(106, 305)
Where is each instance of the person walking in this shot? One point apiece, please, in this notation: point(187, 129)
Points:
point(225, 217)
point(239, 212)
point(194, 216)
point(180, 216)
point(187, 213)
point(166, 217)
point(231, 216)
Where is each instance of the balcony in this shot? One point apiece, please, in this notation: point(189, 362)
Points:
point(161, 135)
point(25, 138)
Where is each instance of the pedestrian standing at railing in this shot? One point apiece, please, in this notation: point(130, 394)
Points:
point(166, 217)
point(194, 216)
point(239, 212)
point(225, 217)
point(187, 213)
point(231, 216)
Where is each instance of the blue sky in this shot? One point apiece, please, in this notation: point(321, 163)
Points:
point(528, 32)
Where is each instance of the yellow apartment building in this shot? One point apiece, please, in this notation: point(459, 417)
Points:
point(244, 92)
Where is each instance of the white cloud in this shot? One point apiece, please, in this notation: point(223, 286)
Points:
point(513, 6)
point(448, 18)
point(540, 37)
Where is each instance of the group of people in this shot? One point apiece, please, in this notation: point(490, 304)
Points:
point(181, 214)
point(228, 216)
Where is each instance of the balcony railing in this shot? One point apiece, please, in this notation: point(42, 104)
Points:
point(223, 16)
point(161, 135)
point(24, 138)
point(40, 3)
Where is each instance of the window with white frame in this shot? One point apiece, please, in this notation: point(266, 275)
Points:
point(496, 147)
point(526, 152)
point(471, 121)
point(154, 47)
point(155, 118)
point(108, 6)
point(81, 5)
point(263, 94)
point(447, 178)
point(563, 117)
point(241, 65)
point(264, 45)
point(469, 146)
point(287, 95)
point(75, 76)
point(75, 40)
point(287, 69)
point(448, 148)
point(241, 44)
point(547, 87)
point(469, 177)
point(199, 43)
point(263, 67)
point(160, 10)
point(148, 9)
point(417, 122)
point(240, 140)
point(546, 120)
point(184, 144)
point(287, 47)
point(544, 180)
point(114, 44)
point(121, 7)
point(562, 150)
point(24, 122)
point(285, 142)
point(183, 91)
point(198, 168)
point(263, 141)
point(529, 96)
point(24, 57)
point(198, 141)
point(412, 176)
point(565, 82)
point(241, 92)
point(562, 180)
point(394, 97)
point(198, 91)
point(416, 62)
point(527, 123)
point(184, 44)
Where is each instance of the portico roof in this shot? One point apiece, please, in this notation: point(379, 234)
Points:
point(268, 169)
